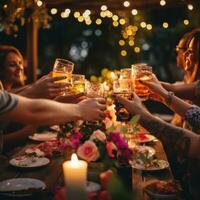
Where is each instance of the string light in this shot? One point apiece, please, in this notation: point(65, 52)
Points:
point(135, 28)
point(86, 13)
point(162, 2)
point(109, 14)
point(103, 14)
point(67, 11)
point(88, 22)
point(126, 3)
point(149, 27)
point(104, 7)
point(131, 42)
point(190, 7)
point(165, 25)
point(122, 21)
point(115, 17)
point(39, 3)
point(54, 11)
point(123, 53)
point(186, 22)
point(121, 42)
point(143, 24)
point(98, 21)
point(137, 49)
point(5, 6)
point(134, 12)
point(76, 14)
point(80, 19)
point(64, 14)
point(115, 23)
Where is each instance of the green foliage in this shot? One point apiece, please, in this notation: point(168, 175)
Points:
point(15, 13)
point(117, 190)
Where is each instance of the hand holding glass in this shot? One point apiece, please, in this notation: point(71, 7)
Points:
point(138, 73)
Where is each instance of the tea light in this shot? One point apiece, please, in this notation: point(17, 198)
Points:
point(75, 175)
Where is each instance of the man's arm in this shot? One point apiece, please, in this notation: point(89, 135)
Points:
point(47, 112)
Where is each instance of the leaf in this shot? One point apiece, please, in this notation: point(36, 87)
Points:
point(123, 129)
point(111, 129)
point(117, 190)
point(134, 121)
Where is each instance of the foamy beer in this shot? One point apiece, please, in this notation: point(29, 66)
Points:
point(78, 83)
point(61, 68)
point(138, 73)
point(123, 87)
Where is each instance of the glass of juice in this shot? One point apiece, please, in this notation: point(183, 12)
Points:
point(138, 73)
point(78, 83)
point(62, 68)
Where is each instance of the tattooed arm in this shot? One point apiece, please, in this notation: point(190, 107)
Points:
point(179, 141)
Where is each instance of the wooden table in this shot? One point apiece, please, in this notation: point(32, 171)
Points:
point(52, 174)
point(141, 179)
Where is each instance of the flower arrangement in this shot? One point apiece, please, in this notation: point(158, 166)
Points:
point(104, 141)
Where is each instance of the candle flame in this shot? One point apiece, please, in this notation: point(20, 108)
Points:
point(74, 158)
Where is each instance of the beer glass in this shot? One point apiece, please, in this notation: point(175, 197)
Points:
point(122, 87)
point(94, 89)
point(78, 83)
point(138, 73)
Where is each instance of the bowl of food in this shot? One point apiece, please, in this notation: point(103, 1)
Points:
point(162, 190)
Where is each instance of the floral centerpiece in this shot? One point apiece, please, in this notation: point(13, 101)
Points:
point(104, 142)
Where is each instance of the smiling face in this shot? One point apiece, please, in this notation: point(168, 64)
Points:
point(13, 69)
point(180, 49)
point(191, 55)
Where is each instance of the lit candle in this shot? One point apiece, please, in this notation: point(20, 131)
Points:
point(75, 175)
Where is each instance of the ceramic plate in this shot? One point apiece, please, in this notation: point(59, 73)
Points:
point(143, 138)
point(42, 137)
point(92, 186)
point(162, 164)
point(141, 149)
point(150, 190)
point(29, 161)
point(20, 187)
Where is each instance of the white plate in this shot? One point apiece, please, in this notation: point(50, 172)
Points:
point(43, 137)
point(20, 187)
point(162, 165)
point(139, 138)
point(141, 149)
point(92, 187)
point(29, 162)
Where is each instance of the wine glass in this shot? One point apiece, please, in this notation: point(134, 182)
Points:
point(138, 73)
point(62, 68)
point(78, 83)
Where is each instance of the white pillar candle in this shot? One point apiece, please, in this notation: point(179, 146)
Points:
point(75, 175)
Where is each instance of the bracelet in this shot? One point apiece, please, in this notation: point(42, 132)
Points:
point(169, 98)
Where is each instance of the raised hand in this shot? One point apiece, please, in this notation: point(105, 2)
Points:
point(92, 109)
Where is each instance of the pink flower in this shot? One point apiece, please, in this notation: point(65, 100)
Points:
point(88, 151)
point(98, 135)
point(110, 147)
